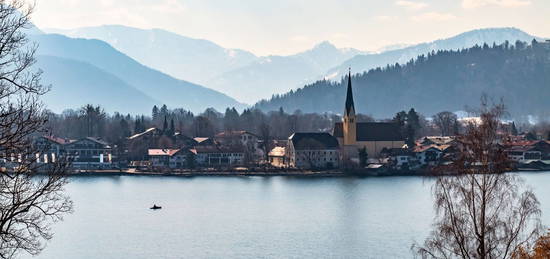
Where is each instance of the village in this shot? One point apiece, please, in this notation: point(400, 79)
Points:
point(369, 147)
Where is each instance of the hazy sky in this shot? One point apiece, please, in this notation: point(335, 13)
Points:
point(289, 26)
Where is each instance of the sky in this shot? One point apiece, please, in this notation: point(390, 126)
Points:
point(283, 27)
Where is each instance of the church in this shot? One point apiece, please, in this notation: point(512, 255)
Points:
point(374, 136)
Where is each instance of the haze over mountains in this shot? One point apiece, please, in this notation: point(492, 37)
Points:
point(248, 78)
point(447, 80)
point(236, 72)
point(468, 39)
point(111, 68)
point(91, 71)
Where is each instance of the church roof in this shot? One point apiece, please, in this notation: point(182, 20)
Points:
point(313, 141)
point(373, 131)
point(349, 97)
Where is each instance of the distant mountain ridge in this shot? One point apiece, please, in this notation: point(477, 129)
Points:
point(446, 80)
point(120, 72)
point(468, 39)
point(248, 78)
point(235, 72)
point(276, 74)
point(185, 58)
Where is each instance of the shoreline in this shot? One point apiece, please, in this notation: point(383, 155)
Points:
point(328, 173)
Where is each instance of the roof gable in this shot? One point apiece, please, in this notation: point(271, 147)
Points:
point(373, 131)
point(313, 141)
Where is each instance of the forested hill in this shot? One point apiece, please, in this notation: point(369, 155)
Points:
point(447, 80)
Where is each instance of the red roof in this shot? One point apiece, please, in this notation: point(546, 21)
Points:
point(162, 152)
point(58, 140)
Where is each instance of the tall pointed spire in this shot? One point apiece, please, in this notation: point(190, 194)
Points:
point(349, 96)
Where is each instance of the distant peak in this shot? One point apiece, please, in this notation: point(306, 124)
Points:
point(324, 45)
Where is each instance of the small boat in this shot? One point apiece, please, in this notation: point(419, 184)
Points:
point(155, 207)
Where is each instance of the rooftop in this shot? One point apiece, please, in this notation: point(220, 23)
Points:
point(372, 131)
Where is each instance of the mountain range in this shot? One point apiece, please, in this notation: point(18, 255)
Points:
point(235, 72)
point(518, 73)
point(91, 71)
point(248, 78)
point(360, 63)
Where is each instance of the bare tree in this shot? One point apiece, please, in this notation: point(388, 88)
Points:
point(29, 203)
point(481, 211)
point(446, 122)
point(265, 134)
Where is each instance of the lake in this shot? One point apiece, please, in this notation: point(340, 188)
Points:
point(250, 217)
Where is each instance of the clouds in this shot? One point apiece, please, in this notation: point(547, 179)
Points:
point(470, 4)
point(411, 5)
point(433, 17)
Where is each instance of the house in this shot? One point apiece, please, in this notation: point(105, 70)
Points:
point(249, 141)
point(430, 154)
point(51, 146)
point(169, 158)
point(244, 138)
point(400, 158)
point(155, 138)
point(216, 155)
point(89, 153)
point(437, 140)
point(374, 136)
point(204, 141)
point(523, 153)
point(313, 150)
point(277, 157)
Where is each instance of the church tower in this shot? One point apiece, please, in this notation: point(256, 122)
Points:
point(350, 120)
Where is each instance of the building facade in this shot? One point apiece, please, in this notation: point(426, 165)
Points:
point(312, 150)
point(374, 136)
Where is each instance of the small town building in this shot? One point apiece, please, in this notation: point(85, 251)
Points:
point(200, 141)
point(430, 154)
point(523, 153)
point(400, 158)
point(90, 153)
point(277, 157)
point(313, 150)
point(169, 158)
point(242, 137)
point(215, 155)
point(374, 136)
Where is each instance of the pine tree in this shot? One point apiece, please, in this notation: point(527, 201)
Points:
point(172, 127)
point(514, 130)
point(165, 125)
point(137, 127)
point(155, 114)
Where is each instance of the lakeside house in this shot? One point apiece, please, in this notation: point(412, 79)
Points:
point(84, 153)
point(218, 156)
point(169, 158)
point(313, 150)
point(277, 157)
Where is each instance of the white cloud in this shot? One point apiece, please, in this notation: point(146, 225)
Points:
point(433, 17)
point(411, 5)
point(469, 4)
point(300, 38)
point(384, 18)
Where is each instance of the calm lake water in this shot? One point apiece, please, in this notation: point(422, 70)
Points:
point(250, 217)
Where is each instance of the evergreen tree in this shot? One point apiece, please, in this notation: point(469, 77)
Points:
point(363, 157)
point(172, 127)
point(125, 128)
point(165, 125)
point(514, 130)
point(137, 126)
point(155, 114)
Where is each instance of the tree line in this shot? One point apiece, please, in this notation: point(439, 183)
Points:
point(443, 80)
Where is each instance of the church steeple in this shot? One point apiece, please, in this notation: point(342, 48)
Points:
point(349, 98)
point(349, 125)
